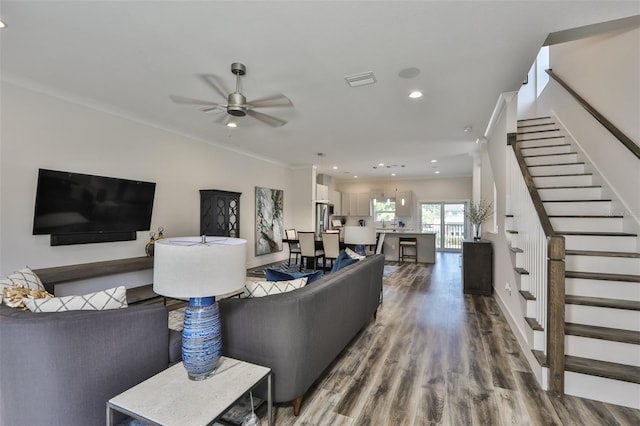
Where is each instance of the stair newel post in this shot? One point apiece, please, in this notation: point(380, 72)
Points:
point(555, 312)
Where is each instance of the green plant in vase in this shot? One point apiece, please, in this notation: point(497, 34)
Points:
point(477, 214)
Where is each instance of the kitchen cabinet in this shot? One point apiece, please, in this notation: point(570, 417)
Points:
point(335, 198)
point(220, 213)
point(322, 193)
point(404, 202)
point(477, 267)
point(356, 204)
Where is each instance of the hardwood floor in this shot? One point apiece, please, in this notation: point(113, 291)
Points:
point(435, 356)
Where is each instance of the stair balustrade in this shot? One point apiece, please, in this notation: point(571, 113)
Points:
point(543, 261)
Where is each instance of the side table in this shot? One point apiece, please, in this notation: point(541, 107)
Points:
point(170, 398)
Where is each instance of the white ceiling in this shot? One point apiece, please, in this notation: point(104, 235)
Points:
point(128, 57)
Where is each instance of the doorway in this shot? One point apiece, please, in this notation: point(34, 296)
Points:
point(447, 220)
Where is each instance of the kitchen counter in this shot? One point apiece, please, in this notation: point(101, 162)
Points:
point(426, 245)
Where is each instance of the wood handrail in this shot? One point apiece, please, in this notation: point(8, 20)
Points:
point(533, 191)
point(624, 139)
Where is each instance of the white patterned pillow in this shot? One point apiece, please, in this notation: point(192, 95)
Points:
point(352, 254)
point(113, 298)
point(265, 288)
point(24, 278)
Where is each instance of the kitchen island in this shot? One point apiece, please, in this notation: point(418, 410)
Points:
point(426, 245)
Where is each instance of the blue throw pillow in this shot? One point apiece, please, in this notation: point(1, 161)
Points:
point(343, 257)
point(275, 275)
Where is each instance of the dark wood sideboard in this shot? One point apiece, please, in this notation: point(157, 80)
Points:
point(477, 267)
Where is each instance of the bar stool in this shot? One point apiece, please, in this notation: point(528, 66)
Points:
point(408, 242)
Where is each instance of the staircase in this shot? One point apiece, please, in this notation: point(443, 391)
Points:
point(602, 269)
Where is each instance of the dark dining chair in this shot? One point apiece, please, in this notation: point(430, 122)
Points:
point(294, 248)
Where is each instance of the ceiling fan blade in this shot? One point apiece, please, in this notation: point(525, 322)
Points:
point(214, 108)
point(191, 101)
point(268, 119)
point(276, 100)
point(216, 84)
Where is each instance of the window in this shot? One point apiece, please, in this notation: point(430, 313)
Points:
point(384, 209)
point(447, 220)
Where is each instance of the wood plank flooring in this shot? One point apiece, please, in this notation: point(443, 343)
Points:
point(435, 356)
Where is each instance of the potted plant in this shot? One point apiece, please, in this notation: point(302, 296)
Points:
point(477, 214)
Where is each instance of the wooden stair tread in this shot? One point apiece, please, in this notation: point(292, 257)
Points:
point(570, 174)
point(555, 145)
point(603, 333)
point(602, 302)
point(598, 234)
point(547, 155)
point(511, 231)
point(602, 276)
point(538, 131)
point(585, 216)
point(535, 325)
point(516, 250)
point(576, 201)
point(535, 118)
point(540, 357)
point(521, 271)
point(539, 139)
point(601, 253)
point(570, 187)
point(526, 295)
point(609, 370)
point(553, 165)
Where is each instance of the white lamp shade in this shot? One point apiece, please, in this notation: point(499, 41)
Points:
point(185, 267)
point(365, 235)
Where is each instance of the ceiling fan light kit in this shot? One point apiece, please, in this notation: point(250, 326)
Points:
point(237, 104)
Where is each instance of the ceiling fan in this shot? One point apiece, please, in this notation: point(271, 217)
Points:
point(237, 104)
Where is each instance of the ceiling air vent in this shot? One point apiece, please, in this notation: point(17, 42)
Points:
point(362, 79)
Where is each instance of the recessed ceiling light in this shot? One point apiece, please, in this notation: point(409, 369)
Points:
point(437, 171)
point(335, 167)
point(2, 25)
point(393, 174)
point(468, 128)
point(380, 164)
point(415, 94)
point(434, 161)
point(231, 124)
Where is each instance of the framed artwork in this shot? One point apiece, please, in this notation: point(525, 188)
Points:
point(269, 220)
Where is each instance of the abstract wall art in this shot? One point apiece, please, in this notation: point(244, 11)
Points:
point(269, 220)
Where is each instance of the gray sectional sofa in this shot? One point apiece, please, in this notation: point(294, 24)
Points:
point(61, 368)
point(299, 333)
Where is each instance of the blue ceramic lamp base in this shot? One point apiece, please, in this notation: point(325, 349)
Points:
point(201, 337)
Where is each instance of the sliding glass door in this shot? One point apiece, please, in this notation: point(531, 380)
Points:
point(447, 220)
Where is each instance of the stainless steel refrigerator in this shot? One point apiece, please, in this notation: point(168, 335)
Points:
point(323, 213)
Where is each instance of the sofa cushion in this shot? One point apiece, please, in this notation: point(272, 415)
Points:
point(266, 288)
point(24, 278)
point(276, 275)
point(113, 298)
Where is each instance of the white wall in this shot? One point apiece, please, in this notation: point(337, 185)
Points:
point(39, 131)
point(605, 71)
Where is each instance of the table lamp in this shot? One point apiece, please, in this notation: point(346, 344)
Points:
point(360, 236)
point(200, 268)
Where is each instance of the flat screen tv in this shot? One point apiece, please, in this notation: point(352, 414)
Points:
point(71, 203)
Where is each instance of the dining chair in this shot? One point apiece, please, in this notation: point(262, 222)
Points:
point(294, 247)
point(308, 248)
point(332, 231)
point(331, 245)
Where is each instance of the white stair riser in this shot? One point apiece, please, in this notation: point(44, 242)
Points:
point(603, 317)
point(603, 264)
point(600, 243)
point(539, 340)
point(551, 159)
point(598, 224)
point(541, 142)
point(528, 306)
point(524, 282)
point(601, 389)
point(531, 127)
point(549, 181)
point(535, 120)
point(578, 208)
point(546, 150)
point(601, 288)
point(566, 169)
point(538, 135)
point(602, 350)
point(587, 193)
